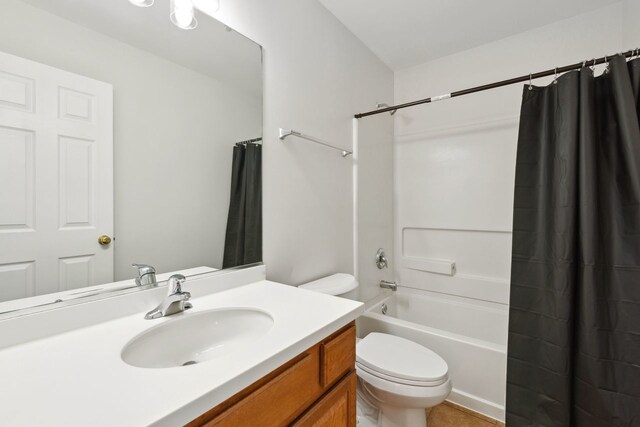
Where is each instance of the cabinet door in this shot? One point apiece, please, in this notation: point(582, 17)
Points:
point(278, 401)
point(336, 409)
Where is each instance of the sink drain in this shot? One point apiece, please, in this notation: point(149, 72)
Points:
point(190, 362)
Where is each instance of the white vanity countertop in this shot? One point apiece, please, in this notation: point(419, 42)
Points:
point(78, 378)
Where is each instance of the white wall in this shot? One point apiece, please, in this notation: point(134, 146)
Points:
point(455, 159)
point(631, 16)
point(167, 119)
point(374, 201)
point(317, 75)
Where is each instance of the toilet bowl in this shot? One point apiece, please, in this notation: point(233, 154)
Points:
point(401, 378)
point(397, 378)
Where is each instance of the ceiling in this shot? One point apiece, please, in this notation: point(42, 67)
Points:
point(211, 49)
point(404, 33)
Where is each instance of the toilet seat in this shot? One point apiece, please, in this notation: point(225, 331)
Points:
point(400, 361)
point(410, 395)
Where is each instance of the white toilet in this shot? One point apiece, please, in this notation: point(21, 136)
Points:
point(397, 378)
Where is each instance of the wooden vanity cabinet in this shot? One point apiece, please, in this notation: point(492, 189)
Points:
point(336, 408)
point(315, 388)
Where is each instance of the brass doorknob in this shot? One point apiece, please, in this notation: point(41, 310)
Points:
point(104, 240)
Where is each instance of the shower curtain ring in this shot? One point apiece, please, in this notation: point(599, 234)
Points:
point(555, 76)
point(593, 67)
point(530, 81)
point(606, 64)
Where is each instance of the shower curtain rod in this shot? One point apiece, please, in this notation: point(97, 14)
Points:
point(250, 141)
point(529, 77)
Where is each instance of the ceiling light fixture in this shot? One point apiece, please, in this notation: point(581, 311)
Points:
point(142, 3)
point(183, 14)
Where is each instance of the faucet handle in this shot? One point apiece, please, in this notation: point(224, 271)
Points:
point(176, 300)
point(174, 284)
point(381, 259)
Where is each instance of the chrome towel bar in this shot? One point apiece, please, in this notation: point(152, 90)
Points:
point(289, 132)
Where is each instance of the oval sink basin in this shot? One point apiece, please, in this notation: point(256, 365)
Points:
point(197, 337)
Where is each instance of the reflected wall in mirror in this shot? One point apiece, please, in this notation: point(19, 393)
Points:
point(118, 145)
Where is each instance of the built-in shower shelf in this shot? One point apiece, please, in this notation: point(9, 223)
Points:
point(430, 265)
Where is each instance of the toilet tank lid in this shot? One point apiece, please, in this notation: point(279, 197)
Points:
point(336, 284)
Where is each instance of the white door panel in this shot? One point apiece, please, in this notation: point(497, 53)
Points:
point(75, 272)
point(17, 280)
point(17, 92)
point(56, 179)
point(17, 198)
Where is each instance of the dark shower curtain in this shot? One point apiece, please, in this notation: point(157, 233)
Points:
point(574, 317)
point(243, 239)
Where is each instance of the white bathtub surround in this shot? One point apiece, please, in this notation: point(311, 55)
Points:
point(373, 201)
point(68, 377)
point(454, 174)
point(469, 336)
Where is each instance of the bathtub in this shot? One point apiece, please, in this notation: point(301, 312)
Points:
point(470, 335)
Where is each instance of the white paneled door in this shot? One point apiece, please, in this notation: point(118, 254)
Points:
point(56, 179)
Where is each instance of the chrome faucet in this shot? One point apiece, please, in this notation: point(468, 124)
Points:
point(389, 285)
point(176, 300)
point(146, 274)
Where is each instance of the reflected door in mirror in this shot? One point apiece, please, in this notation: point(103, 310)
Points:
point(56, 179)
point(117, 132)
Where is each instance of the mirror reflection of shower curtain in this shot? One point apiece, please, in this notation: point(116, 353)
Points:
point(243, 239)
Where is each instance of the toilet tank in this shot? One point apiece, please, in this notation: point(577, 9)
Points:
point(336, 284)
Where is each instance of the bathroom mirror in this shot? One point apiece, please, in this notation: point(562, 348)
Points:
point(123, 139)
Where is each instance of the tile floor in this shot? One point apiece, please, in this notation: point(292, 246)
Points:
point(451, 415)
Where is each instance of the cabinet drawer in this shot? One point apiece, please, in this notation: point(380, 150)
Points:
point(338, 356)
point(280, 400)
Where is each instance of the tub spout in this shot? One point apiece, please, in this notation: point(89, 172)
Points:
point(388, 285)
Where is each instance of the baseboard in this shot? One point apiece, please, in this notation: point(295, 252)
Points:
point(476, 404)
